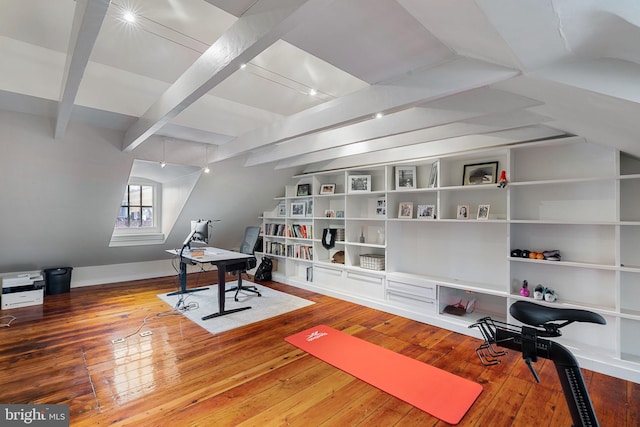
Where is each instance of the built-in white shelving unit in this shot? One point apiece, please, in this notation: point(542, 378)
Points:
point(580, 198)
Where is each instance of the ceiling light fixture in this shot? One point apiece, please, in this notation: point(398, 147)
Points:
point(129, 16)
point(313, 92)
point(206, 159)
point(379, 115)
point(243, 66)
point(163, 163)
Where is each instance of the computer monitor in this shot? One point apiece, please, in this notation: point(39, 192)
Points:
point(199, 232)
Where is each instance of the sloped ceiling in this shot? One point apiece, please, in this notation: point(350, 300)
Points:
point(237, 76)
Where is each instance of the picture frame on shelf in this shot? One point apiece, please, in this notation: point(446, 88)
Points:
point(282, 209)
point(405, 210)
point(480, 173)
point(426, 212)
point(433, 176)
point(381, 206)
point(309, 208)
point(327, 189)
point(339, 214)
point(483, 212)
point(359, 183)
point(298, 209)
point(405, 177)
point(462, 212)
point(330, 213)
point(303, 190)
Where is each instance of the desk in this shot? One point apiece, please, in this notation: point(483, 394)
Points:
point(218, 257)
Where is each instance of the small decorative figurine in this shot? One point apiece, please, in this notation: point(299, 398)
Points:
point(502, 181)
point(538, 292)
point(524, 291)
point(361, 234)
point(549, 295)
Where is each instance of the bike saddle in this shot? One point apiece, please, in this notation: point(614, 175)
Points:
point(540, 315)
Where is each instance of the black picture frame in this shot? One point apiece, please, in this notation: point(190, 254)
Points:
point(480, 173)
point(303, 190)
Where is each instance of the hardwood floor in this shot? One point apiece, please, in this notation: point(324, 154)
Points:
point(181, 375)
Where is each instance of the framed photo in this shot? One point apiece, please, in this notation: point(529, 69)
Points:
point(330, 213)
point(339, 214)
point(433, 176)
point(463, 212)
point(298, 208)
point(327, 188)
point(480, 173)
point(303, 190)
point(405, 210)
point(282, 209)
point(359, 183)
point(405, 177)
point(483, 212)
point(381, 207)
point(426, 212)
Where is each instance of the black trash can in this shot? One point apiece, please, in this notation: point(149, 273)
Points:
point(57, 280)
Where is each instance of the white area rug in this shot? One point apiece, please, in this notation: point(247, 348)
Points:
point(270, 304)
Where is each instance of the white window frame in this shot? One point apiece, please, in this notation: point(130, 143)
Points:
point(146, 235)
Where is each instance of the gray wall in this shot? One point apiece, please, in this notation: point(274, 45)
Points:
point(59, 198)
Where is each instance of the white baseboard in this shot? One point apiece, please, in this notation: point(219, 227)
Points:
point(114, 273)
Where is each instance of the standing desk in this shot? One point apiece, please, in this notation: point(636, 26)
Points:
point(221, 258)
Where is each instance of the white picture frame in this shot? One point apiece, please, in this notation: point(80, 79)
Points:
point(298, 209)
point(282, 209)
point(483, 212)
point(327, 189)
point(426, 212)
point(359, 183)
point(405, 177)
point(405, 210)
point(462, 212)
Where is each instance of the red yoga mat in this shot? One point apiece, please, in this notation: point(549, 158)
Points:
point(437, 392)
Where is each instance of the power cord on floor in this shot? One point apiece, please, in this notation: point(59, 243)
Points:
point(6, 325)
point(180, 307)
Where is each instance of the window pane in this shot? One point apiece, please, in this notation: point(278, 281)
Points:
point(147, 195)
point(134, 195)
point(147, 217)
point(135, 216)
point(121, 221)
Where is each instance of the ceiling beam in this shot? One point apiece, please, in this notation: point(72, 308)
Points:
point(442, 147)
point(455, 76)
point(473, 126)
point(87, 21)
point(258, 28)
point(462, 106)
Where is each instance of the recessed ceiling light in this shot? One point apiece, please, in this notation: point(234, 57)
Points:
point(243, 66)
point(379, 115)
point(313, 92)
point(129, 17)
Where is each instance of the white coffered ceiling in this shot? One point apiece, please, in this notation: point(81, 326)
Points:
point(237, 75)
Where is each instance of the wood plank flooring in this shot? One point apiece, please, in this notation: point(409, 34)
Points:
point(181, 375)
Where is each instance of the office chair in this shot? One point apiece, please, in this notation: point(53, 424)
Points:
point(247, 247)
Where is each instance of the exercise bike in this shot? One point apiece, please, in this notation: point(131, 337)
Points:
point(541, 321)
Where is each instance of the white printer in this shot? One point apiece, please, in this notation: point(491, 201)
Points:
point(22, 289)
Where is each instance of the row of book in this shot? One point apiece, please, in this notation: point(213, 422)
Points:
point(274, 229)
point(300, 251)
point(275, 248)
point(300, 231)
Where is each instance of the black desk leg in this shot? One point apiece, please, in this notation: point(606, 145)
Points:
point(183, 281)
point(222, 271)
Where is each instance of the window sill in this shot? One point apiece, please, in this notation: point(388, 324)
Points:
point(136, 239)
